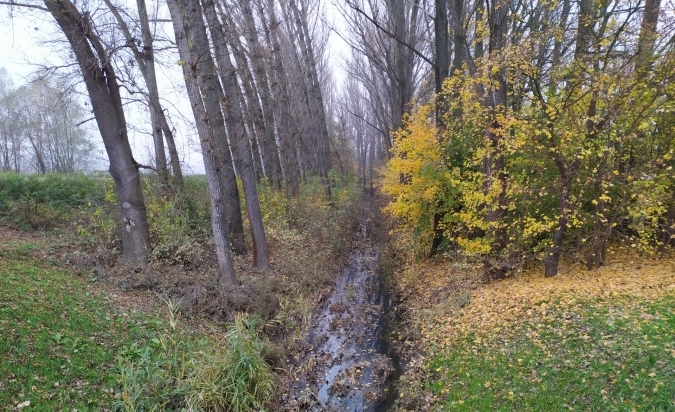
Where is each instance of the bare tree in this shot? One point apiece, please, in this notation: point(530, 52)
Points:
point(233, 114)
point(144, 57)
point(199, 71)
point(46, 119)
point(104, 92)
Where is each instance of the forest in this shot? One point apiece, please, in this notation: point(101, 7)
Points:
point(356, 205)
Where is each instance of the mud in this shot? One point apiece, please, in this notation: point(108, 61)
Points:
point(347, 366)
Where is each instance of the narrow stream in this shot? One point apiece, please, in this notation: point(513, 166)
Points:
point(349, 367)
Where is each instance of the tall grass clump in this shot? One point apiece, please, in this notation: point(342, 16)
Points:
point(174, 372)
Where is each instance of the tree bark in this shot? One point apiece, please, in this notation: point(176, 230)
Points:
point(647, 38)
point(567, 173)
point(255, 112)
point(287, 130)
point(442, 61)
point(151, 82)
point(103, 89)
point(317, 109)
point(209, 87)
point(271, 155)
point(233, 115)
point(196, 62)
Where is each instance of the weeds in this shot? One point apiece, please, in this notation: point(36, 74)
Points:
point(175, 371)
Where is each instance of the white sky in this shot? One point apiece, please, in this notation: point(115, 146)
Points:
point(24, 48)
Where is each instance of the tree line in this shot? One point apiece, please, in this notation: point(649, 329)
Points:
point(39, 130)
point(512, 130)
point(256, 77)
point(520, 130)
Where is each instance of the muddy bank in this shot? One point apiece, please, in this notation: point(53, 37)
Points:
point(347, 364)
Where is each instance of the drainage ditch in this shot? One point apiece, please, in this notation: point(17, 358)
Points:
point(349, 366)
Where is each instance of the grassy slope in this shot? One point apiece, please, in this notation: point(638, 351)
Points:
point(59, 339)
point(60, 335)
point(587, 341)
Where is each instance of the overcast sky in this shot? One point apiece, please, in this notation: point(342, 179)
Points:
point(27, 45)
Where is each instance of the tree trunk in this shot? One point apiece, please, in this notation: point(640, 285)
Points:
point(271, 159)
point(494, 162)
point(307, 135)
point(318, 114)
point(553, 259)
point(255, 112)
point(287, 130)
point(479, 48)
point(647, 39)
point(101, 82)
point(190, 37)
point(103, 89)
point(174, 159)
point(442, 63)
point(461, 54)
point(239, 141)
point(209, 87)
point(151, 82)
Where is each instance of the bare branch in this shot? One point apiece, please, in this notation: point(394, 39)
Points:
point(389, 33)
point(26, 5)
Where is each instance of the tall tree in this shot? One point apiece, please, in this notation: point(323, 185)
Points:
point(271, 152)
point(145, 58)
point(232, 100)
point(313, 92)
point(201, 82)
point(104, 93)
point(278, 80)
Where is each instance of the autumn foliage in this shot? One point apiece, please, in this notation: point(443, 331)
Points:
point(586, 147)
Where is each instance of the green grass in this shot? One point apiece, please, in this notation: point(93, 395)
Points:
point(65, 347)
point(58, 341)
point(617, 355)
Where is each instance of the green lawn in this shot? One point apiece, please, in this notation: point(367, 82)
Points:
point(603, 355)
point(58, 340)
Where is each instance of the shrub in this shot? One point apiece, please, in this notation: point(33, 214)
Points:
point(44, 201)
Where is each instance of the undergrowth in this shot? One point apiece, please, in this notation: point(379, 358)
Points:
point(45, 201)
point(175, 371)
point(93, 357)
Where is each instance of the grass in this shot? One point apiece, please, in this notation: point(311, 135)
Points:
point(177, 372)
point(582, 341)
point(66, 344)
point(59, 341)
point(610, 355)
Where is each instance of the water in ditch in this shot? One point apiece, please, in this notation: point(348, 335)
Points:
point(349, 366)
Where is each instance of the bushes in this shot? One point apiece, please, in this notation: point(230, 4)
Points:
point(173, 372)
point(43, 201)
